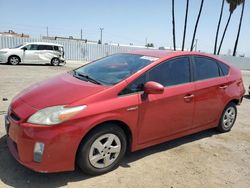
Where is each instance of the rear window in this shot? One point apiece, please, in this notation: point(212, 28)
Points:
point(205, 68)
point(56, 48)
point(224, 68)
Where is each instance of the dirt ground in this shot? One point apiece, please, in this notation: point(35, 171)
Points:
point(206, 159)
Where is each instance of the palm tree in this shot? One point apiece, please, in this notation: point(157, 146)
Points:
point(196, 25)
point(185, 26)
point(232, 6)
point(238, 34)
point(218, 27)
point(173, 22)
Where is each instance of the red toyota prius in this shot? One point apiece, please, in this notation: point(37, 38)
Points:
point(92, 115)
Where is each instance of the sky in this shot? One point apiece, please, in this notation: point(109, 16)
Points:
point(126, 21)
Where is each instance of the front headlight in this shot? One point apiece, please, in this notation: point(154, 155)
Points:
point(3, 52)
point(54, 115)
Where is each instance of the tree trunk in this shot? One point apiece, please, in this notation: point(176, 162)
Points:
point(238, 35)
point(225, 30)
point(173, 22)
point(185, 26)
point(218, 27)
point(196, 25)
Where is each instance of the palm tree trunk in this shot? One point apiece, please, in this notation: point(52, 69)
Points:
point(173, 22)
point(196, 25)
point(238, 35)
point(225, 30)
point(185, 26)
point(218, 27)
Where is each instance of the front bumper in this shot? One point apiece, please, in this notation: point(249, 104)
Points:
point(60, 146)
point(3, 58)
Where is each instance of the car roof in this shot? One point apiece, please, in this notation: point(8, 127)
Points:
point(43, 43)
point(166, 53)
point(152, 53)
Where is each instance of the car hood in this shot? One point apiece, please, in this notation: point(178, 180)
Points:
point(4, 49)
point(60, 90)
point(8, 49)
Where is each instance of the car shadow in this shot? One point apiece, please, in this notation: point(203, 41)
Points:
point(14, 174)
point(247, 96)
point(131, 157)
point(27, 64)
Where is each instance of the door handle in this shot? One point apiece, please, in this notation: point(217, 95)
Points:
point(188, 97)
point(223, 86)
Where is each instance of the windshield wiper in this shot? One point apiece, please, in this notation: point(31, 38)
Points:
point(88, 78)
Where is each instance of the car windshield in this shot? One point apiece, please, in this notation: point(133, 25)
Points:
point(17, 46)
point(113, 69)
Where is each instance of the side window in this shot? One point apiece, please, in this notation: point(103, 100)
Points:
point(33, 47)
point(172, 72)
point(205, 68)
point(45, 47)
point(224, 68)
point(41, 47)
point(48, 47)
point(28, 46)
point(135, 86)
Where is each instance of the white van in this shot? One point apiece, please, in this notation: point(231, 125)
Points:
point(35, 53)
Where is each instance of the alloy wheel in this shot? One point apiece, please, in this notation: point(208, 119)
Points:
point(14, 60)
point(104, 151)
point(229, 117)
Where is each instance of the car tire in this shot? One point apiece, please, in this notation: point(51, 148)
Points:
point(228, 118)
point(14, 60)
point(55, 62)
point(102, 150)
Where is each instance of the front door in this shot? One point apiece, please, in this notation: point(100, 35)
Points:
point(162, 115)
point(30, 55)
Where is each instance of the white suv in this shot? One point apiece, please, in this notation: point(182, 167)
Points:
point(35, 52)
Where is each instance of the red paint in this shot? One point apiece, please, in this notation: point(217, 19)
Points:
point(173, 112)
point(153, 88)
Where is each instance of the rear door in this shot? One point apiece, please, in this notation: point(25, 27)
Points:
point(45, 53)
point(209, 93)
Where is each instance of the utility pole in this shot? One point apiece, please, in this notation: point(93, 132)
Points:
point(196, 44)
point(101, 29)
point(47, 29)
point(146, 41)
point(81, 34)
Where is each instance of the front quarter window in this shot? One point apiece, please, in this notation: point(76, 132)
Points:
point(135, 86)
point(115, 68)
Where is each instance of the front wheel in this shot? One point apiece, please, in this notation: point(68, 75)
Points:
point(13, 60)
point(102, 150)
point(228, 118)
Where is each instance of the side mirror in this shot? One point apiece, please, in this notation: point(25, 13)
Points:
point(153, 88)
point(24, 48)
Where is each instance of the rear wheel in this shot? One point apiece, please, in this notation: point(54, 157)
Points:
point(228, 118)
point(102, 150)
point(55, 62)
point(14, 60)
